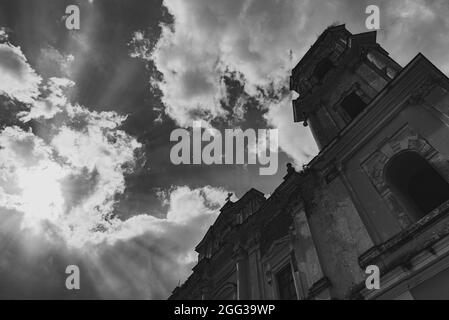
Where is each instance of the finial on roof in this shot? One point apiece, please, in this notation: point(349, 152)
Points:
point(230, 194)
point(290, 168)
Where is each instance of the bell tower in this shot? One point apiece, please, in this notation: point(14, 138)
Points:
point(337, 79)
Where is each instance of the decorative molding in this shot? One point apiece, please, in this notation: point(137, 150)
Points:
point(375, 254)
point(331, 174)
point(254, 240)
point(318, 287)
point(239, 253)
point(406, 139)
point(278, 242)
point(228, 287)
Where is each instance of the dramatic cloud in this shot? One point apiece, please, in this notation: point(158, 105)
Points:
point(211, 39)
point(260, 41)
point(146, 257)
point(70, 175)
point(53, 62)
point(17, 78)
point(51, 101)
point(58, 189)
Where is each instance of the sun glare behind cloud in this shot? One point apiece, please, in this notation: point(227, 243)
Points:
point(41, 197)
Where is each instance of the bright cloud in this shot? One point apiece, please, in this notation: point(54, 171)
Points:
point(29, 180)
point(296, 140)
point(145, 256)
point(17, 78)
point(53, 62)
point(210, 39)
point(70, 176)
point(61, 184)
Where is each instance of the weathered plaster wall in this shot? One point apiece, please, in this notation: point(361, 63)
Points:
point(305, 252)
point(338, 233)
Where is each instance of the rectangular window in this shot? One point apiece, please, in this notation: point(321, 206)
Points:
point(353, 105)
point(286, 284)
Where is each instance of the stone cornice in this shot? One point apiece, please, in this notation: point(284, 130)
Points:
point(318, 287)
point(376, 255)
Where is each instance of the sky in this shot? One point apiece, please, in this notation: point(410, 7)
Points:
point(86, 117)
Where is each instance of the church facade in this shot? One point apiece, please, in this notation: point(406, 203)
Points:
point(376, 194)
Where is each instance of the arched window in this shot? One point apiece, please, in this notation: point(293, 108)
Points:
point(416, 183)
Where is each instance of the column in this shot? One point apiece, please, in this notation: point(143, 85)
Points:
point(241, 266)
